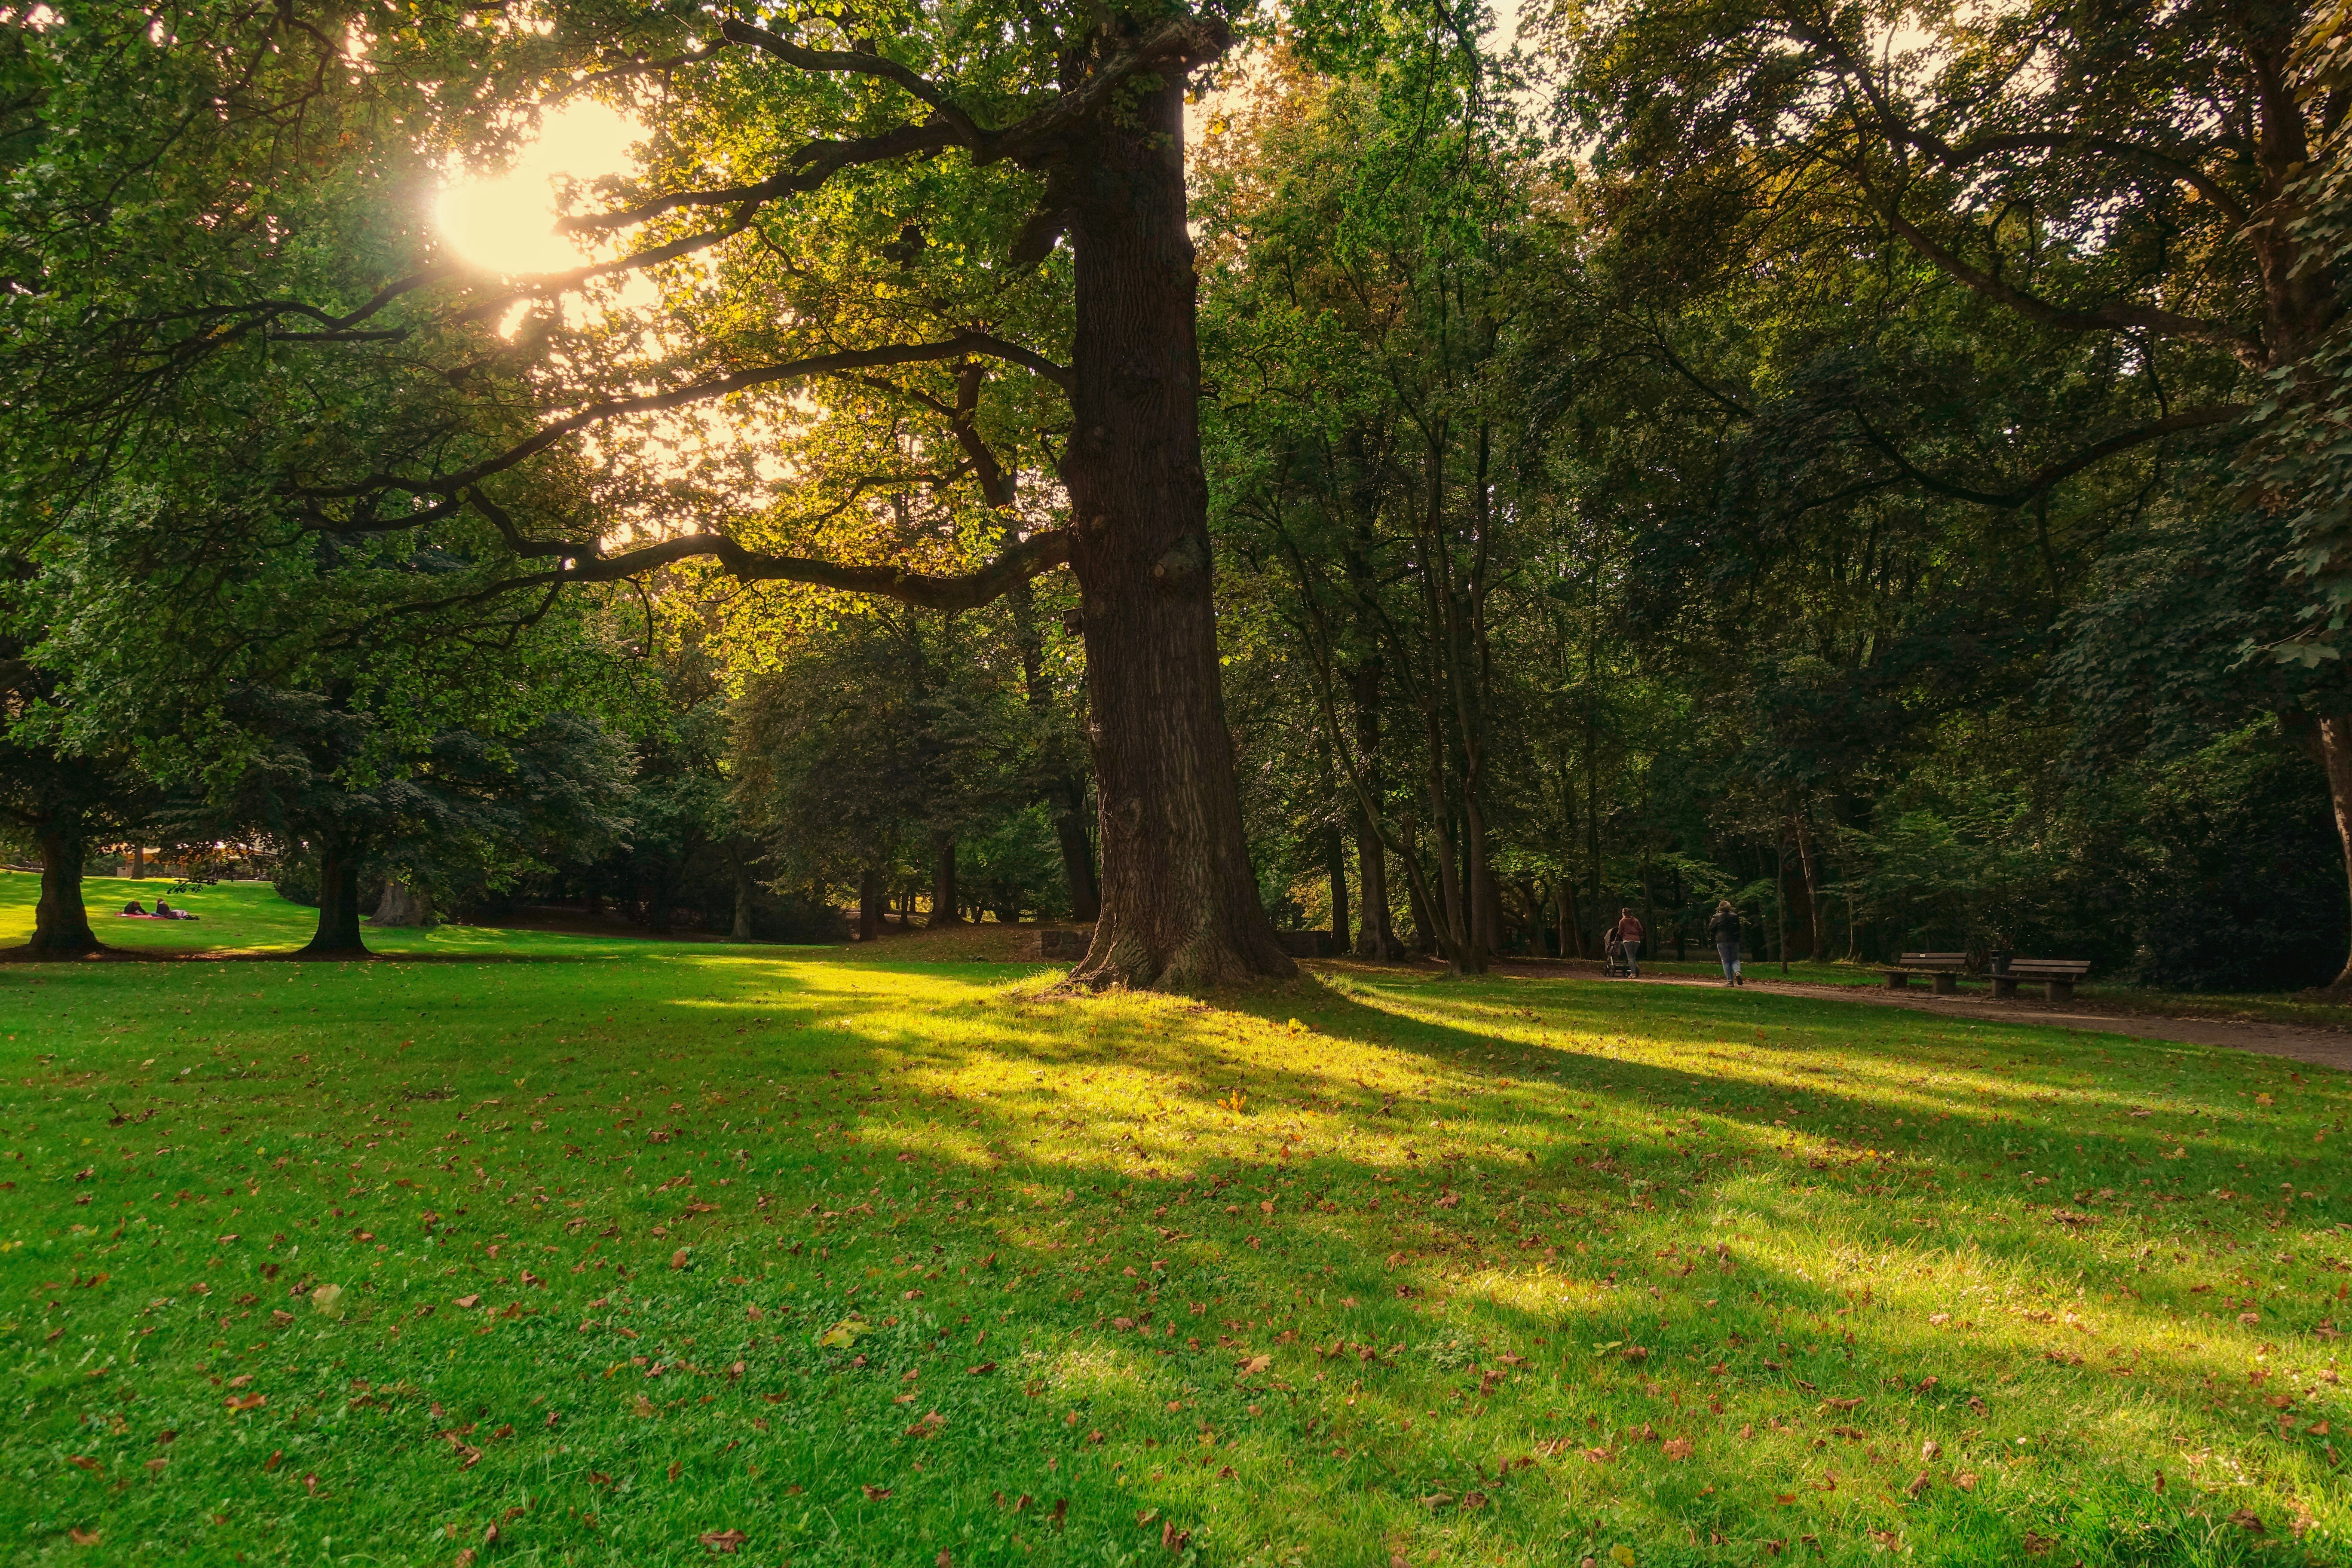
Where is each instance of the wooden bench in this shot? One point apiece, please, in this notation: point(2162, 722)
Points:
point(2056, 975)
point(1944, 968)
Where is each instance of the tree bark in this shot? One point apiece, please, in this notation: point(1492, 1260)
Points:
point(1820, 940)
point(1335, 865)
point(870, 907)
point(2335, 754)
point(401, 905)
point(1077, 855)
point(1376, 935)
point(339, 907)
point(944, 911)
point(1563, 897)
point(1180, 902)
point(139, 862)
point(60, 923)
point(745, 889)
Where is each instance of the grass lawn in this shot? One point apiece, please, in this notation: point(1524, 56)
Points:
point(2313, 1009)
point(539, 1249)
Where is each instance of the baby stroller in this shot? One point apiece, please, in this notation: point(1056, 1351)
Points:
point(1612, 962)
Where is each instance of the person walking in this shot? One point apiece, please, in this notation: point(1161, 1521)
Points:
point(1725, 930)
point(1628, 934)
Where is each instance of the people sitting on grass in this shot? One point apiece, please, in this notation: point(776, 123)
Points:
point(164, 911)
point(134, 909)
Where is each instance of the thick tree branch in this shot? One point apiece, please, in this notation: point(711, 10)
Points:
point(862, 62)
point(814, 163)
point(2170, 424)
point(1019, 562)
point(2121, 316)
point(1990, 146)
point(961, 345)
point(1186, 40)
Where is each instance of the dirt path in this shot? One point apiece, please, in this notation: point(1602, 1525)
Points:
point(2320, 1048)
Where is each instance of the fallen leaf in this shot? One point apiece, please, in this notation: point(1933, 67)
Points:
point(1256, 1364)
point(2249, 1521)
point(876, 1494)
point(726, 1540)
point(1678, 1449)
point(1966, 1480)
point(467, 1301)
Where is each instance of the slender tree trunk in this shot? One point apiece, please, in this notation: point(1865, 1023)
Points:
point(2336, 753)
point(1780, 896)
point(1812, 892)
point(870, 908)
point(1180, 902)
point(745, 889)
point(138, 861)
point(1376, 936)
point(60, 923)
point(1563, 895)
point(944, 911)
point(338, 935)
point(1077, 854)
point(1064, 790)
point(1335, 865)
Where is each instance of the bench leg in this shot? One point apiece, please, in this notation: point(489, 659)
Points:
point(2060, 991)
point(2004, 988)
point(1898, 983)
point(1947, 985)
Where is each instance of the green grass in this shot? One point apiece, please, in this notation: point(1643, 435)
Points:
point(2313, 1009)
point(854, 1253)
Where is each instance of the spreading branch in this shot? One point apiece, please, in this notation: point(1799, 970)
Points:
point(2116, 316)
point(2170, 424)
point(585, 562)
point(960, 346)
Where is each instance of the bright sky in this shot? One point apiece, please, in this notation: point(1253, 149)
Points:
point(506, 223)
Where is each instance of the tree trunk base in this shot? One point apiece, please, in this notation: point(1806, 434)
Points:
point(1211, 959)
point(60, 920)
point(338, 935)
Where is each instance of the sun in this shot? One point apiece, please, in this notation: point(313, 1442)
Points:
point(506, 223)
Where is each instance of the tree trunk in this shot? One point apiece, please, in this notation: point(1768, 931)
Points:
point(401, 905)
point(338, 934)
point(60, 923)
point(1376, 934)
point(1820, 940)
point(1335, 865)
point(1180, 903)
point(745, 887)
point(944, 910)
point(1781, 898)
point(139, 862)
point(2336, 753)
point(870, 908)
point(1077, 855)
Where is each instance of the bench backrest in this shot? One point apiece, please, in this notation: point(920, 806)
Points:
point(2046, 968)
point(1934, 960)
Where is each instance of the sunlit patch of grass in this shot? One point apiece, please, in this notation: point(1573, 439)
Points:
point(1366, 1267)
